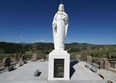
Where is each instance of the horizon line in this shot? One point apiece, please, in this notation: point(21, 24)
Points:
point(52, 42)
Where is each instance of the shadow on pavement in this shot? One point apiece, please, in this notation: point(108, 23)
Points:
point(72, 70)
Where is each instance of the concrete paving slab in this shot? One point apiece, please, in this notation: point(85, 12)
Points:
point(109, 75)
point(25, 74)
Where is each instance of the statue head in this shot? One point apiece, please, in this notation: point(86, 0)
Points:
point(61, 8)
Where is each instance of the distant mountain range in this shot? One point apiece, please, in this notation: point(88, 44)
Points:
point(6, 47)
point(43, 49)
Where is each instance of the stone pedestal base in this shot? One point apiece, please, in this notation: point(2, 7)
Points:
point(59, 65)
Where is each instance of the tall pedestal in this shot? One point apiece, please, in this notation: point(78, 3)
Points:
point(59, 65)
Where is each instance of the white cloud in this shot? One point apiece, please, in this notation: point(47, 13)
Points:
point(40, 40)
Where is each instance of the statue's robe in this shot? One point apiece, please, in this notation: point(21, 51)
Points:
point(60, 26)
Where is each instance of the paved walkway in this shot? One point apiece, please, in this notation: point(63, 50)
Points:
point(25, 74)
point(108, 75)
point(83, 73)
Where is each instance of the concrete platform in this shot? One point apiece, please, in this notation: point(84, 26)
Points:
point(108, 75)
point(25, 74)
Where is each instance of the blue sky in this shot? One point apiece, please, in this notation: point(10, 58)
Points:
point(90, 21)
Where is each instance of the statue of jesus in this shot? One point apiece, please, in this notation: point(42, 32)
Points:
point(60, 27)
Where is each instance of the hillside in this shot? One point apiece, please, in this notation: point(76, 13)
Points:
point(43, 49)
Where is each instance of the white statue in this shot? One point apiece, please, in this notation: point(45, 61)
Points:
point(60, 27)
